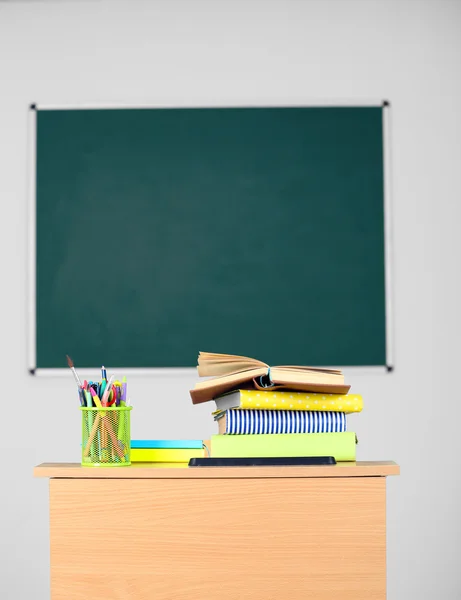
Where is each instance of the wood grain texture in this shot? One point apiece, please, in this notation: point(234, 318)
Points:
point(252, 539)
point(181, 471)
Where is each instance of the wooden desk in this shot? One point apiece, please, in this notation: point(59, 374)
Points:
point(150, 532)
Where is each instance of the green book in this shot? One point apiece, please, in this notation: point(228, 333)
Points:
point(340, 445)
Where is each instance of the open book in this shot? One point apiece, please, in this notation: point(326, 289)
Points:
point(229, 372)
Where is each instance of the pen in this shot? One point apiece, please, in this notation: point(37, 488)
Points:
point(107, 391)
point(117, 387)
point(103, 373)
point(102, 388)
point(95, 429)
point(89, 403)
point(124, 386)
point(81, 396)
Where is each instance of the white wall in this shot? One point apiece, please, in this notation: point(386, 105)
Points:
point(205, 53)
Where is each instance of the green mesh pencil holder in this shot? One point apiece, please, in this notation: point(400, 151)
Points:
point(106, 436)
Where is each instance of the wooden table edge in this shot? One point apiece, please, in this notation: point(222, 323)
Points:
point(180, 471)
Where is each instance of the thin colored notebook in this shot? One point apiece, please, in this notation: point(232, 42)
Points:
point(240, 422)
point(165, 454)
point(167, 444)
point(340, 445)
point(226, 372)
point(283, 400)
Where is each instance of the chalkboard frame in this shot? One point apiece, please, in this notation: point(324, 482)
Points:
point(31, 226)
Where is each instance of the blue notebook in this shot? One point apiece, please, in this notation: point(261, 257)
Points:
point(169, 444)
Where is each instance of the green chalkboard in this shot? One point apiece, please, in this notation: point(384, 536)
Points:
point(254, 231)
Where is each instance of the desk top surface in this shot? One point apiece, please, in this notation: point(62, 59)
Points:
point(182, 471)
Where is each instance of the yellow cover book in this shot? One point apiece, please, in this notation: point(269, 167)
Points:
point(340, 445)
point(165, 455)
point(284, 400)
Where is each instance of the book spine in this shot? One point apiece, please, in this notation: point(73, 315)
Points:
point(340, 445)
point(241, 422)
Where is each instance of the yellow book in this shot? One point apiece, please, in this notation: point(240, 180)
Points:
point(165, 455)
point(340, 445)
point(284, 400)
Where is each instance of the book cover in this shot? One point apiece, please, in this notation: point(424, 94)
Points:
point(340, 445)
point(168, 444)
point(174, 455)
point(284, 400)
point(240, 422)
point(226, 372)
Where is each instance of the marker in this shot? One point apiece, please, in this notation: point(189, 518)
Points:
point(103, 387)
point(107, 391)
point(89, 403)
point(90, 416)
point(117, 387)
point(96, 399)
point(124, 389)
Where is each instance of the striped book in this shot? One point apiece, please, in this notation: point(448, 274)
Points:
point(237, 421)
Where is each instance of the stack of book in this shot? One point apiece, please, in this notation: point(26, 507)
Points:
point(264, 411)
point(166, 451)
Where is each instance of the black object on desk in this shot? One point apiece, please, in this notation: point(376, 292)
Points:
point(276, 461)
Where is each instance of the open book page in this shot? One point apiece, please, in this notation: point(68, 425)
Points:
point(226, 372)
point(309, 369)
point(216, 386)
point(211, 388)
point(284, 375)
point(215, 365)
point(211, 364)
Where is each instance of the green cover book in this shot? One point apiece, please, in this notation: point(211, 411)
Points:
point(340, 445)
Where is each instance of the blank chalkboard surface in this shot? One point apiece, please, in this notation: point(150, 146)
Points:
point(254, 231)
